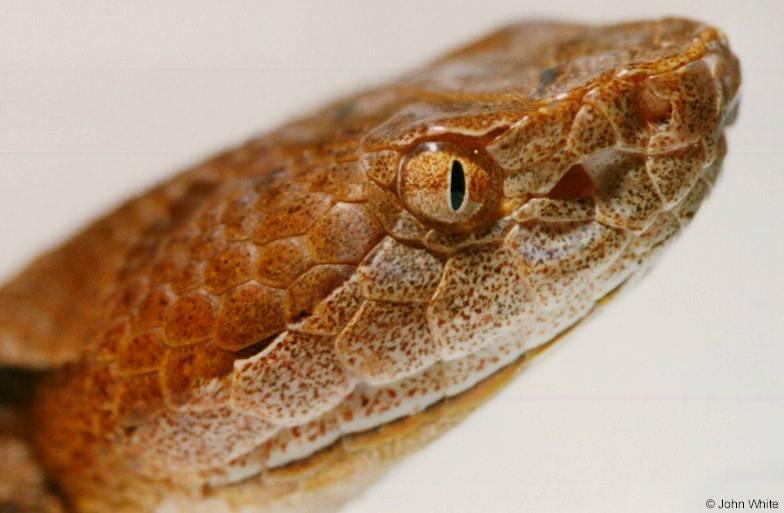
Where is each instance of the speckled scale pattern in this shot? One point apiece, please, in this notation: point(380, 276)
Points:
point(278, 312)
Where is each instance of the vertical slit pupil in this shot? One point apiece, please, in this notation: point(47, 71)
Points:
point(457, 189)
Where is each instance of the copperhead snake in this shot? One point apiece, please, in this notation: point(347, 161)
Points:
point(273, 328)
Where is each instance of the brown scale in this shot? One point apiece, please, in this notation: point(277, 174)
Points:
point(237, 333)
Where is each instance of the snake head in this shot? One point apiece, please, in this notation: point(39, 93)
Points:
point(361, 264)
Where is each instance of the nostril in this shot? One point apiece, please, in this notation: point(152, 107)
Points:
point(575, 184)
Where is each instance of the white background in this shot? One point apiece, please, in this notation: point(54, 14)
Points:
point(672, 395)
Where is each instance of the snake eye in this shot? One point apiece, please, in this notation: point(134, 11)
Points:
point(450, 186)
